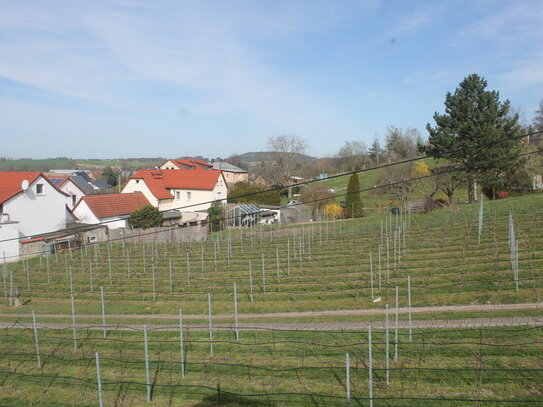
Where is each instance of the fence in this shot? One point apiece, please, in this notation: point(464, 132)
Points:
point(195, 233)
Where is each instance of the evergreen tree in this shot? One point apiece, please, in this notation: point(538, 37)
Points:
point(353, 203)
point(110, 176)
point(215, 216)
point(475, 118)
point(145, 218)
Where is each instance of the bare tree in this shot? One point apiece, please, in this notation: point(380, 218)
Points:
point(286, 151)
point(354, 155)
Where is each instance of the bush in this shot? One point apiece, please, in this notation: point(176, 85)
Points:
point(145, 218)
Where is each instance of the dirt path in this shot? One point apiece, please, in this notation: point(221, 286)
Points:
point(307, 326)
point(309, 314)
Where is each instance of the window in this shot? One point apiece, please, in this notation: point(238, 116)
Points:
point(177, 195)
point(39, 189)
point(188, 196)
point(137, 181)
point(218, 196)
point(74, 200)
point(91, 239)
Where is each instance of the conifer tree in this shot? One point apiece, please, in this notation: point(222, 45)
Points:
point(353, 203)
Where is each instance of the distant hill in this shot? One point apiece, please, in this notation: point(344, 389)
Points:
point(46, 164)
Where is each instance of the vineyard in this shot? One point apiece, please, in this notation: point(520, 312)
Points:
point(391, 310)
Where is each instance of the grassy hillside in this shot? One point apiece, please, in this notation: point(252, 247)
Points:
point(317, 266)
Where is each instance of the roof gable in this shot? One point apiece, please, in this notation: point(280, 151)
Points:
point(10, 183)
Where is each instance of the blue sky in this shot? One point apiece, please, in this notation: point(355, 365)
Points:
point(123, 78)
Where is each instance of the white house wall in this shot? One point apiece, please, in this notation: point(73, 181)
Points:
point(9, 242)
point(85, 215)
point(133, 186)
point(38, 214)
point(71, 189)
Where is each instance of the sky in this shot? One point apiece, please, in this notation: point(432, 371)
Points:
point(170, 78)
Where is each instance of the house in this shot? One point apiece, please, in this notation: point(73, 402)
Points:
point(30, 205)
point(186, 164)
point(232, 173)
point(110, 209)
point(68, 186)
point(83, 180)
point(189, 191)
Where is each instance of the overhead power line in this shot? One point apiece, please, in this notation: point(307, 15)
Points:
point(77, 228)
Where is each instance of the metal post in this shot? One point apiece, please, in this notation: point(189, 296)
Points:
point(396, 329)
point(154, 282)
point(371, 276)
point(386, 345)
point(181, 339)
point(170, 270)
point(236, 311)
point(379, 264)
point(147, 370)
point(277, 262)
point(36, 339)
point(109, 263)
point(73, 324)
point(71, 279)
point(409, 306)
point(263, 274)
point(370, 375)
point(347, 379)
point(99, 379)
point(202, 258)
point(288, 256)
point(48, 270)
point(103, 310)
point(90, 277)
point(210, 327)
point(250, 282)
point(480, 218)
point(188, 269)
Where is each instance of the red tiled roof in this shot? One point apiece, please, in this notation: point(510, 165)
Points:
point(108, 205)
point(10, 183)
point(160, 181)
point(194, 164)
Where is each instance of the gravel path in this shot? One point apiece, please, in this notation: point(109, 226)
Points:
point(309, 314)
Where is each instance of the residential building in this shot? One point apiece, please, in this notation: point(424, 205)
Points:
point(113, 210)
point(31, 205)
point(232, 174)
point(68, 186)
point(169, 189)
point(186, 164)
